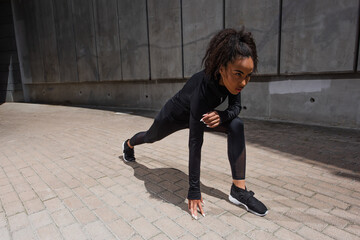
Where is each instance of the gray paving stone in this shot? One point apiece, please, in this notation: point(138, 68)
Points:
point(61, 178)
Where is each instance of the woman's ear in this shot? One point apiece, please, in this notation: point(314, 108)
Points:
point(222, 70)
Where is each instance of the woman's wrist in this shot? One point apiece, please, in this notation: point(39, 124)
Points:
point(194, 194)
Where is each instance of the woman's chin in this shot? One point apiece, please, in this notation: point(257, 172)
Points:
point(235, 91)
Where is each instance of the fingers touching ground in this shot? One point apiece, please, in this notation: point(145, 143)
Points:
point(193, 206)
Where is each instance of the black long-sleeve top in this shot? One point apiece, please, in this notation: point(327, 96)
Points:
point(201, 95)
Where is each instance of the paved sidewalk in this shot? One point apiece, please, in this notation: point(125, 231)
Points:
point(61, 178)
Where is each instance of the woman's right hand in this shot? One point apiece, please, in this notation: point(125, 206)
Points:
point(193, 205)
point(211, 119)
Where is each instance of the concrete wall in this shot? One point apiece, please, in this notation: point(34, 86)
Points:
point(10, 81)
point(201, 20)
point(261, 17)
point(140, 95)
point(134, 39)
point(318, 36)
point(138, 53)
point(332, 102)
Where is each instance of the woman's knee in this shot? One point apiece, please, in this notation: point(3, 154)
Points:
point(236, 125)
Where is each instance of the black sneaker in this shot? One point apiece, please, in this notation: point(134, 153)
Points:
point(128, 152)
point(246, 198)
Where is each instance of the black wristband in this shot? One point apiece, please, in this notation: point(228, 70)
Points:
point(194, 194)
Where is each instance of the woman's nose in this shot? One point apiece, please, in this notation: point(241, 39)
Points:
point(244, 82)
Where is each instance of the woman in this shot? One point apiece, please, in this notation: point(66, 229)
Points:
point(229, 61)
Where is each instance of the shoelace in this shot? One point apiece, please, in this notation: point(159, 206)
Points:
point(248, 195)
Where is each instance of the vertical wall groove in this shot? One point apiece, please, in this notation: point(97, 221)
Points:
point(96, 45)
point(279, 39)
point(148, 36)
point(56, 38)
point(182, 39)
point(119, 35)
point(224, 16)
point(356, 55)
point(74, 34)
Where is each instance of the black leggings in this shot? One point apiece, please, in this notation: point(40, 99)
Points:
point(164, 126)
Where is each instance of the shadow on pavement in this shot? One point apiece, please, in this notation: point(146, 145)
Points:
point(324, 146)
point(169, 184)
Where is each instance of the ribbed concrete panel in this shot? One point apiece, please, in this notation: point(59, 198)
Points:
point(107, 39)
point(32, 36)
point(85, 40)
point(22, 55)
point(318, 36)
point(65, 40)
point(165, 39)
point(358, 61)
point(201, 20)
point(47, 37)
point(133, 39)
point(261, 17)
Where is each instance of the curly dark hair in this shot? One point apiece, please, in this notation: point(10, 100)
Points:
point(226, 46)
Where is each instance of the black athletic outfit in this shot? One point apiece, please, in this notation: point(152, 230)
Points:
point(200, 95)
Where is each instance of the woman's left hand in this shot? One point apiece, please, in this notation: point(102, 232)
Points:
point(194, 205)
point(211, 119)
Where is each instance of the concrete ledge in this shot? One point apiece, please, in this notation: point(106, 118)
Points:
point(322, 102)
point(138, 95)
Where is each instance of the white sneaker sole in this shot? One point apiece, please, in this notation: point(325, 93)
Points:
point(236, 202)
point(123, 148)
